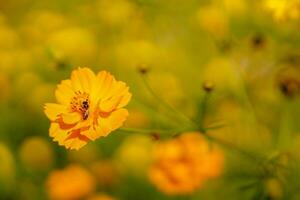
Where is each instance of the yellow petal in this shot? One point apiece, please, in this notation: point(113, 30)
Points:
point(52, 110)
point(82, 79)
point(71, 118)
point(61, 136)
point(109, 124)
point(110, 104)
point(103, 83)
point(54, 129)
point(116, 119)
point(125, 100)
point(58, 134)
point(118, 88)
point(75, 143)
point(117, 97)
point(64, 92)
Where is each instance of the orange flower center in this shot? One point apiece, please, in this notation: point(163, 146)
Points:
point(80, 103)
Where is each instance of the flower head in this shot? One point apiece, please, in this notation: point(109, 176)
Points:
point(183, 164)
point(73, 182)
point(89, 106)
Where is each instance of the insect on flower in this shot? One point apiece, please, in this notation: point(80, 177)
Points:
point(89, 106)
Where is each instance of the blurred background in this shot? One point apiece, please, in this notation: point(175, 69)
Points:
point(245, 53)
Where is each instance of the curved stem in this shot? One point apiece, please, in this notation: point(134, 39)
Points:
point(232, 146)
point(151, 110)
point(166, 105)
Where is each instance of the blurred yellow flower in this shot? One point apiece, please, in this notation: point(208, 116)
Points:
point(100, 197)
point(74, 44)
point(7, 169)
point(235, 7)
point(73, 182)
point(183, 164)
point(274, 188)
point(213, 20)
point(117, 12)
point(133, 53)
point(222, 72)
point(134, 155)
point(9, 38)
point(284, 9)
point(89, 106)
point(36, 153)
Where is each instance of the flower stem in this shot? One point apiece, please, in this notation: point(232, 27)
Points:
point(172, 132)
point(167, 105)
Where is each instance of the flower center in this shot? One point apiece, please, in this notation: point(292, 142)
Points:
point(80, 103)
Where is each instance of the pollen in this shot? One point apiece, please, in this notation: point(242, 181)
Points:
point(80, 103)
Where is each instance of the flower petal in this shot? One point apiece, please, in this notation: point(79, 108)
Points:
point(61, 136)
point(108, 124)
point(75, 143)
point(82, 79)
point(109, 104)
point(118, 88)
point(71, 118)
point(57, 133)
point(52, 110)
point(64, 92)
point(125, 100)
point(103, 83)
point(117, 97)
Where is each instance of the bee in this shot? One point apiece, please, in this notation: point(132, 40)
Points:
point(85, 106)
point(85, 114)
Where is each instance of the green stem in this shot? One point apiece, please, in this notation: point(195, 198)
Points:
point(202, 112)
point(166, 105)
point(172, 132)
point(151, 110)
point(232, 146)
point(215, 126)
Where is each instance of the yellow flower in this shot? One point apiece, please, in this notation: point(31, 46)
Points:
point(134, 155)
point(36, 153)
point(183, 164)
point(73, 182)
point(284, 9)
point(117, 12)
point(7, 169)
point(89, 106)
point(64, 44)
point(213, 20)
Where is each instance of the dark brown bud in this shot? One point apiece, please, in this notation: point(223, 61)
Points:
point(290, 87)
point(208, 86)
point(289, 81)
point(143, 69)
point(258, 41)
point(155, 136)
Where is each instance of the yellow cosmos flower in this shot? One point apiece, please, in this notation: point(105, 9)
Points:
point(89, 106)
point(182, 165)
point(72, 182)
